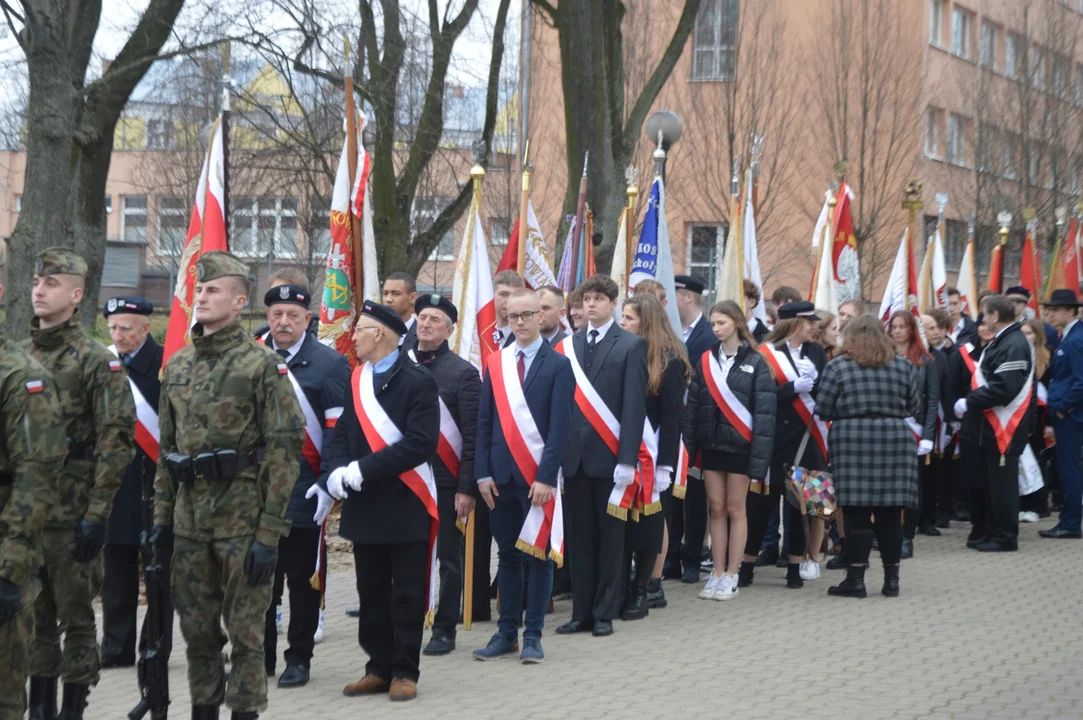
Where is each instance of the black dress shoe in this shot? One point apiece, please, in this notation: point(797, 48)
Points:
point(690, 575)
point(993, 546)
point(767, 558)
point(929, 530)
point(973, 541)
point(577, 626)
point(1060, 533)
point(439, 645)
point(602, 628)
point(293, 676)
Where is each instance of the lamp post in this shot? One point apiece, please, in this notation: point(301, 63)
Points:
point(664, 128)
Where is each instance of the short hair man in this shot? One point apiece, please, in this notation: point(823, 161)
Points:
point(848, 311)
point(400, 292)
point(505, 283)
point(323, 377)
point(551, 299)
point(100, 422)
point(785, 294)
point(288, 276)
point(963, 329)
point(752, 300)
point(237, 434)
point(542, 378)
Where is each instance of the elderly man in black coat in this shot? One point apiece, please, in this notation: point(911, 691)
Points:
point(129, 327)
point(380, 468)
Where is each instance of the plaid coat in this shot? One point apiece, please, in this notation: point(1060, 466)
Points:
point(873, 454)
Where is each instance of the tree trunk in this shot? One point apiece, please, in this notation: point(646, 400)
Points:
point(86, 207)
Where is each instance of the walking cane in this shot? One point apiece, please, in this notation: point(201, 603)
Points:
point(468, 575)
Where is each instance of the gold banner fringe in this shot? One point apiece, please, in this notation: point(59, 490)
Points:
point(617, 511)
point(430, 616)
point(633, 513)
point(557, 558)
point(679, 491)
point(756, 488)
point(651, 509)
point(314, 581)
point(532, 550)
point(461, 525)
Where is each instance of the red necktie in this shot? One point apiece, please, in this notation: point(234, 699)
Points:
point(521, 365)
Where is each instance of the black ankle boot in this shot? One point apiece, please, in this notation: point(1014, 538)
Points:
point(637, 608)
point(75, 701)
point(891, 581)
point(204, 712)
point(656, 596)
point(853, 585)
point(744, 575)
point(839, 561)
point(793, 576)
point(42, 698)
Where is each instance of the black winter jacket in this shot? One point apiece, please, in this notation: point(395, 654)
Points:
point(706, 428)
point(1006, 363)
point(460, 388)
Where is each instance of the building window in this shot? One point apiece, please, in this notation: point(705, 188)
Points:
point(714, 41)
point(960, 33)
point(936, 11)
point(500, 231)
point(1008, 152)
point(1013, 55)
point(133, 222)
point(932, 133)
point(172, 225)
point(161, 134)
point(265, 226)
point(989, 38)
point(319, 227)
point(705, 243)
point(426, 210)
point(108, 203)
point(1037, 68)
point(956, 139)
point(987, 140)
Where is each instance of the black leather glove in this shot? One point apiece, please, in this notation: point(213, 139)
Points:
point(260, 563)
point(89, 540)
point(10, 600)
point(160, 537)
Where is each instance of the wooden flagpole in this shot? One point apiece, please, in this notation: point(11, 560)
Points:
point(351, 158)
point(524, 201)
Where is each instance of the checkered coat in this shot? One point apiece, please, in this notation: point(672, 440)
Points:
point(873, 453)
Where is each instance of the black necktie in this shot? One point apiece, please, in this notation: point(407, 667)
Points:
point(425, 357)
point(592, 345)
point(284, 353)
point(126, 359)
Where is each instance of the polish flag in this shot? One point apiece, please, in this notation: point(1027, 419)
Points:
point(472, 293)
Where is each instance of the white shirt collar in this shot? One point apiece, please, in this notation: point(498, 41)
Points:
point(688, 330)
point(1068, 328)
point(532, 349)
point(292, 350)
point(601, 330)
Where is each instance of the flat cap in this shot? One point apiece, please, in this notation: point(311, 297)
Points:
point(219, 264)
point(1017, 292)
point(127, 305)
point(687, 282)
point(59, 261)
point(801, 309)
point(435, 300)
point(288, 294)
point(385, 316)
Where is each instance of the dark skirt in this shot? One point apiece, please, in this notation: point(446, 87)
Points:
point(645, 535)
point(719, 461)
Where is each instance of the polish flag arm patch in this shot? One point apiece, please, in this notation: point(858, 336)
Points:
point(282, 369)
point(115, 366)
point(35, 386)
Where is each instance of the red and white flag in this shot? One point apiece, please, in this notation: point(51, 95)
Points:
point(901, 293)
point(472, 292)
point(536, 270)
point(146, 419)
point(967, 284)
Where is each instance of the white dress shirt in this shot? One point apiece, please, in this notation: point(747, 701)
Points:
point(292, 350)
point(688, 330)
point(602, 330)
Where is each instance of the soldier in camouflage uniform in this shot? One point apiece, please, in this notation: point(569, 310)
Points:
point(231, 438)
point(32, 449)
point(99, 416)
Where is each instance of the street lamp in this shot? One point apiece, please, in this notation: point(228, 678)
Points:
point(664, 128)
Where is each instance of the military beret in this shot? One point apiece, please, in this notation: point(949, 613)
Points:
point(218, 264)
point(801, 309)
point(1018, 292)
point(441, 302)
point(385, 316)
point(687, 282)
point(59, 261)
point(287, 294)
point(127, 304)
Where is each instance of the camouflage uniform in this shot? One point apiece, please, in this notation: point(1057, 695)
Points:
point(99, 415)
point(32, 449)
point(225, 391)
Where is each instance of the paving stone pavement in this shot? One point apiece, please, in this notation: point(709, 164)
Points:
point(972, 637)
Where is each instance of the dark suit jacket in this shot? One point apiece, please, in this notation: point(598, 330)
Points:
point(558, 337)
point(549, 388)
point(969, 333)
point(619, 374)
point(666, 413)
point(701, 339)
point(789, 427)
point(386, 511)
point(126, 519)
point(1066, 376)
point(409, 340)
point(460, 389)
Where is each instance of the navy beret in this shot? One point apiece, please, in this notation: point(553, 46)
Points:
point(800, 309)
point(687, 282)
point(385, 316)
point(287, 294)
point(127, 305)
point(435, 300)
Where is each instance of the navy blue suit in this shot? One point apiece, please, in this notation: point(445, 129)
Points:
point(689, 517)
point(1066, 414)
point(549, 389)
point(700, 340)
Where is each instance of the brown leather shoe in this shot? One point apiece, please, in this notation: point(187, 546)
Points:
point(403, 689)
point(368, 685)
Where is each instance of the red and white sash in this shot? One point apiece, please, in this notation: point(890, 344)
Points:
point(146, 419)
point(450, 445)
point(736, 413)
point(649, 500)
point(380, 431)
point(312, 451)
point(680, 482)
point(543, 530)
point(915, 427)
point(1004, 420)
point(803, 403)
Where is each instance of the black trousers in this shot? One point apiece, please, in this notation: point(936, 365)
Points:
point(483, 554)
point(391, 583)
point(596, 544)
point(296, 563)
point(450, 547)
point(759, 507)
point(860, 529)
point(695, 523)
point(120, 603)
point(924, 515)
point(994, 493)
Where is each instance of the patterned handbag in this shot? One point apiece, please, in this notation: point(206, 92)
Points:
point(810, 491)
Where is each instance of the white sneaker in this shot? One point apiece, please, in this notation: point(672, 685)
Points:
point(318, 637)
point(278, 619)
point(707, 593)
point(1028, 516)
point(726, 588)
point(810, 569)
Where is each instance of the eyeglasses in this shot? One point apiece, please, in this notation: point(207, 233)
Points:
point(524, 316)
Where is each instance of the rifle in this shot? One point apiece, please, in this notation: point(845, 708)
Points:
point(153, 668)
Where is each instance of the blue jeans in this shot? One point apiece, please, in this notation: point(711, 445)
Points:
point(770, 539)
point(506, 520)
point(1069, 439)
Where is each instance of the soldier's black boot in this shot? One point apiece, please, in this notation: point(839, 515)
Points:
point(75, 701)
point(854, 584)
point(891, 581)
point(246, 715)
point(42, 698)
point(204, 712)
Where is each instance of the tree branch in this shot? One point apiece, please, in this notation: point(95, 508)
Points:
point(9, 13)
point(546, 7)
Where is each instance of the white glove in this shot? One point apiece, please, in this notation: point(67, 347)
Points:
point(663, 478)
point(353, 476)
point(804, 384)
point(806, 367)
point(960, 407)
point(955, 427)
point(343, 479)
point(623, 475)
point(324, 503)
point(925, 447)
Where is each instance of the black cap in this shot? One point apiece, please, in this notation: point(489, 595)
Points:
point(127, 304)
point(800, 309)
point(687, 282)
point(435, 300)
point(288, 294)
point(1062, 297)
point(385, 316)
point(1018, 292)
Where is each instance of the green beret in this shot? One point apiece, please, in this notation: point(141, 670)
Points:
point(218, 264)
point(59, 261)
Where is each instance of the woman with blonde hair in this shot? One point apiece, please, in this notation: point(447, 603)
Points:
point(1035, 506)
